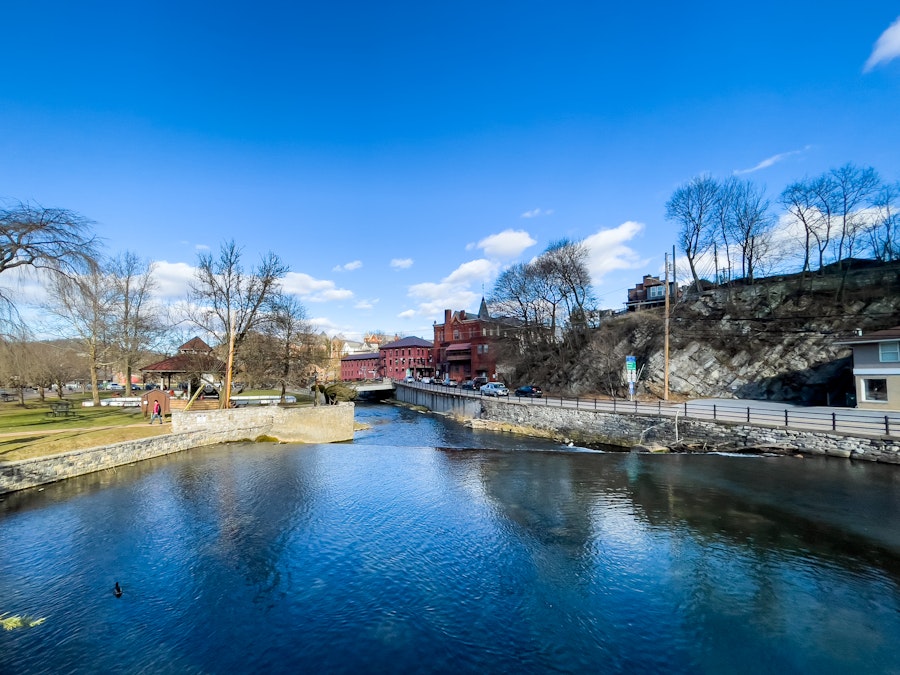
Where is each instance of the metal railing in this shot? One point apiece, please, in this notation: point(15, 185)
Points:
point(757, 413)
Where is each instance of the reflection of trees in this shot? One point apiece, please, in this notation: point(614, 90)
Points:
point(253, 514)
point(765, 506)
point(551, 496)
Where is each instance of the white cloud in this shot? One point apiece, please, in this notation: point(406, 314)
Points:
point(408, 314)
point(480, 270)
point(348, 267)
point(366, 304)
point(887, 47)
point(314, 290)
point(173, 279)
point(607, 250)
point(770, 161)
point(535, 213)
point(506, 244)
point(201, 247)
point(401, 263)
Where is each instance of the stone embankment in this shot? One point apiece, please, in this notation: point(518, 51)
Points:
point(324, 424)
point(591, 428)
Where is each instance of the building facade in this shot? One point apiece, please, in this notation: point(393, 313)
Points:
point(359, 367)
point(876, 369)
point(465, 345)
point(650, 293)
point(407, 357)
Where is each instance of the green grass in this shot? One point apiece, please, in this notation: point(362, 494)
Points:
point(28, 431)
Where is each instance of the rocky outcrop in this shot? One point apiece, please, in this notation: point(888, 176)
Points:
point(773, 340)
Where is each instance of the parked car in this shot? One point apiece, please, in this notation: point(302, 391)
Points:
point(530, 390)
point(478, 381)
point(467, 384)
point(494, 389)
point(450, 383)
point(426, 380)
point(409, 379)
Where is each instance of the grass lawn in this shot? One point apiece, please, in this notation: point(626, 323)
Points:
point(28, 432)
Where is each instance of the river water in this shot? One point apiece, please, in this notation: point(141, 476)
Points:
point(426, 547)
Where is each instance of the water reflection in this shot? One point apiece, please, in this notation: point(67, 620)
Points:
point(424, 546)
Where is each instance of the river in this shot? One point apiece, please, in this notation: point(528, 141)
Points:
point(427, 547)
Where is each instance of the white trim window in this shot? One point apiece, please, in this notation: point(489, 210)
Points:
point(889, 352)
point(874, 389)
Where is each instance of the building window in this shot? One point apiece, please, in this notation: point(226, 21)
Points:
point(656, 292)
point(875, 389)
point(889, 352)
point(455, 334)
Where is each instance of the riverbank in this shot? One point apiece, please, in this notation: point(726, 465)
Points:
point(625, 430)
point(319, 424)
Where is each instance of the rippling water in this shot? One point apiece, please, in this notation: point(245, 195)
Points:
point(427, 547)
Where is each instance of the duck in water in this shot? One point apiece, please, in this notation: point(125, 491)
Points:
point(117, 591)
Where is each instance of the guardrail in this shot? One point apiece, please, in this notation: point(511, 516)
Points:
point(758, 413)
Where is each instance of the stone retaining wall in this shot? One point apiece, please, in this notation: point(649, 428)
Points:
point(587, 427)
point(323, 424)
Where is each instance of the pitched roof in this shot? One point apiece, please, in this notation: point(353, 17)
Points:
point(408, 342)
point(186, 363)
point(195, 346)
point(361, 356)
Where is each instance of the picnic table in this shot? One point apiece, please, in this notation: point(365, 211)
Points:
point(60, 409)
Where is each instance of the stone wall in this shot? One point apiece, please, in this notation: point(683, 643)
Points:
point(587, 427)
point(323, 424)
point(319, 424)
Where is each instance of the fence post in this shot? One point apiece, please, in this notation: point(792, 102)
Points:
point(748, 414)
point(595, 404)
point(887, 425)
point(614, 403)
point(785, 417)
point(714, 412)
point(685, 408)
point(834, 421)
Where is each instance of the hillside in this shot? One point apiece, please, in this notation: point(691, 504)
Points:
point(772, 340)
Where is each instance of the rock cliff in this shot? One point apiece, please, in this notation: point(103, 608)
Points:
point(774, 339)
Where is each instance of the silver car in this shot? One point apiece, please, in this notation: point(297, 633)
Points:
point(494, 389)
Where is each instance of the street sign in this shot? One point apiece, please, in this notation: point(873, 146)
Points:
point(631, 368)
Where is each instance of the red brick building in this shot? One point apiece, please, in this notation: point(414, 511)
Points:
point(407, 357)
point(357, 367)
point(465, 345)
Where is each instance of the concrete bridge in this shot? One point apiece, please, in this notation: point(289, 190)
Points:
point(373, 390)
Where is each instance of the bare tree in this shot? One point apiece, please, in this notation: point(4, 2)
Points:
point(799, 201)
point(855, 188)
point(137, 323)
point(229, 302)
point(84, 307)
point(693, 206)
point(288, 329)
point(723, 216)
point(564, 266)
point(884, 231)
point(44, 239)
point(749, 224)
point(516, 295)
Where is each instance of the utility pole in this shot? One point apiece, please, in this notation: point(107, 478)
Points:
point(666, 339)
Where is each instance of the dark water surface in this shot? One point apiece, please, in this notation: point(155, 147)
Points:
point(427, 547)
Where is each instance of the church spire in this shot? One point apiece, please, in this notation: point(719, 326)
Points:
point(483, 310)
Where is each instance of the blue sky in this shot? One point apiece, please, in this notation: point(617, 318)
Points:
point(398, 155)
